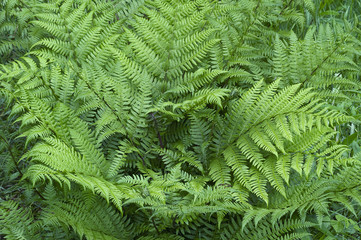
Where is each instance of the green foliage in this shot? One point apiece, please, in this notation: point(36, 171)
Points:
point(175, 119)
point(16, 38)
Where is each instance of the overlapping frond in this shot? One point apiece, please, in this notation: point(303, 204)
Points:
point(175, 119)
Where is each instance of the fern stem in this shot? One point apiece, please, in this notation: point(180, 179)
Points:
point(253, 22)
point(106, 104)
point(157, 131)
point(173, 222)
point(284, 8)
point(28, 7)
point(325, 59)
point(11, 155)
point(155, 226)
point(17, 165)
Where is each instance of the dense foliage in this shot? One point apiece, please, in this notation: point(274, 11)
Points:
point(175, 119)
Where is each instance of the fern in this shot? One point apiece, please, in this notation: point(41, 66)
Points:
point(174, 119)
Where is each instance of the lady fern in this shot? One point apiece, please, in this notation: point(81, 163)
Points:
point(179, 119)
